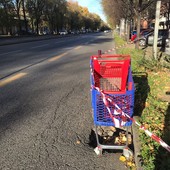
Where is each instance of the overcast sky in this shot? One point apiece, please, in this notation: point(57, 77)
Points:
point(94, 6)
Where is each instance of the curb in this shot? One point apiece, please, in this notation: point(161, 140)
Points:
point(137, 145)
point(121, 46)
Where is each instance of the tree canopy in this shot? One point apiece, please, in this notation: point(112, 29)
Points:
point(115, 10)
point(51, 15)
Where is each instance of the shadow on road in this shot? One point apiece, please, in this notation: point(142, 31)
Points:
point(101, 40)
point(162, 160)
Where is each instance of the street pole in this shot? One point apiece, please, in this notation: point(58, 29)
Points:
point(158, 7)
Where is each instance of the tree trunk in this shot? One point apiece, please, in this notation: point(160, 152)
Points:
point(19, 21)
point(138, 22)
point(25, 19)
point(168, 26)
point(138, 30)
point(2, 29)
point(37, 26)
point(128, 31)
point(32, 25)
point(125, 28)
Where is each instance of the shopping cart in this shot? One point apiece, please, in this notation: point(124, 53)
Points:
point(112, 94)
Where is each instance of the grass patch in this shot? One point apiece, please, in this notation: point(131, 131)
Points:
point(152, 81)
point(119, 40)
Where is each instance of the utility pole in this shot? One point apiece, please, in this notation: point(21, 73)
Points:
point(158, 7)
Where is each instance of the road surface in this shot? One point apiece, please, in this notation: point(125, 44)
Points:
point(45, 109)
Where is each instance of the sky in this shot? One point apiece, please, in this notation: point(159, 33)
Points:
point(94, 6)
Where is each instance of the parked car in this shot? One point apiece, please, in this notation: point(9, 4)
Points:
point(144, 35)
point(146, 32)
point(106, 31)
point(143, 32)
point(148, 39)
point(63, 32)
point(162, 37)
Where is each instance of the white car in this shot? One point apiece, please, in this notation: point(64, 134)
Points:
point(106, 31)
point(63, 32)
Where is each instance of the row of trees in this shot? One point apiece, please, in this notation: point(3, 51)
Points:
point(132, 11)
point(52, 14)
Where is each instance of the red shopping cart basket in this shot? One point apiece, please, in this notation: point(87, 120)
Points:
point(110, 72)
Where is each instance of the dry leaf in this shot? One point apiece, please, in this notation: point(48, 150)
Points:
point(112, 128)
point(129, 139)
point(124, 139)
point(129, 163)
point(146, 126)
point(122, 158)
point(117, 140)
point(146, 104)
point(78, 142)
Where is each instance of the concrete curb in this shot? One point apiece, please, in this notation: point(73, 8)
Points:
point(137, 145)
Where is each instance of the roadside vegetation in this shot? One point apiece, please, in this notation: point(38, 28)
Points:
point(152, 84)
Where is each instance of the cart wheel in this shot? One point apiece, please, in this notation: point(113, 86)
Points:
point(127, 153)
point(98, 150)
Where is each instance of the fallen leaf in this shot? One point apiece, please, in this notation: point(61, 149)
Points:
point(146, 104)
point(146, 126)
point(117, 140)
point(124, 139)
point(78, 142)
point(122, 158)
point(129, 164)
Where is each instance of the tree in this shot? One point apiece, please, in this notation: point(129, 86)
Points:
point(24, 14)
point(80, 18)
point(35, 9)
point(130, 10)
point(165, 11)
point(55, 14)
point(75, 16)
point(17, 5)
point(7, 9)
point(139, 7)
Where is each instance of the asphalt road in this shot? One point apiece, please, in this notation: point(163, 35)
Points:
point(45, 109)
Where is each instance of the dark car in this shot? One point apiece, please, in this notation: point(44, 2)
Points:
point(148, 39)
point(146, 32)
point(162, 38)
point(144, 35)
